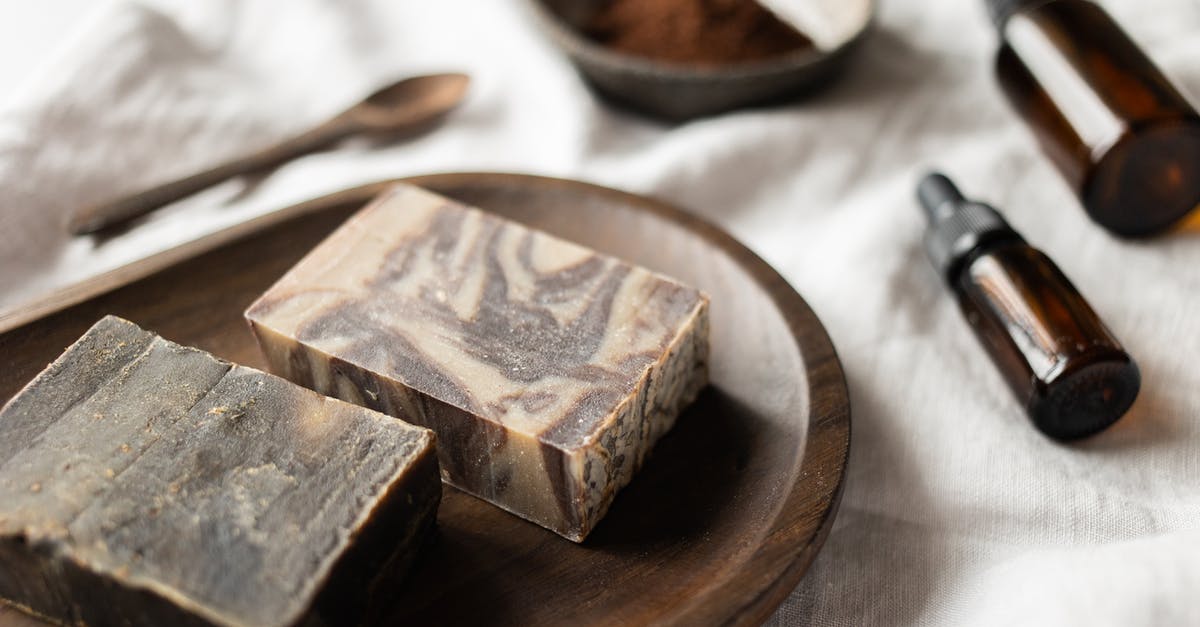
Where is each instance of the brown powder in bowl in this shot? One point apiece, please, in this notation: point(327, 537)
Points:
point(694, 32)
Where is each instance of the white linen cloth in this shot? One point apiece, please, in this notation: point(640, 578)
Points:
point(956, 511)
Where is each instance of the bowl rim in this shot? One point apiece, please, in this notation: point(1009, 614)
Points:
point(577, 44)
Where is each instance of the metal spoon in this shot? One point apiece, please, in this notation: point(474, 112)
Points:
point(397, 108)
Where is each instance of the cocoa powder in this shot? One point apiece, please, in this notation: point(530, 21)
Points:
point(694, 32)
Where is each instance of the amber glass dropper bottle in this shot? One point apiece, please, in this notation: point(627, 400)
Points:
point(1062, 362)
point(1123, 136)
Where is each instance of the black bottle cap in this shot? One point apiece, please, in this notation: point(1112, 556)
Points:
point(957, 226)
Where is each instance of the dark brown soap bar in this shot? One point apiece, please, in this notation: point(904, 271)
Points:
point(147, 483)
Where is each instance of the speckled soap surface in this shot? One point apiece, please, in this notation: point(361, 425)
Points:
point(147, 483)
point(547, 370)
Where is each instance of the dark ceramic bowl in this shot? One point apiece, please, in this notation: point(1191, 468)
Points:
point(679, 92)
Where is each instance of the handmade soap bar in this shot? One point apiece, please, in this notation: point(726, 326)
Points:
point(547, 370)
point(147, 483)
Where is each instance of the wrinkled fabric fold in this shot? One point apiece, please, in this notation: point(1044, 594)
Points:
point(956, 510)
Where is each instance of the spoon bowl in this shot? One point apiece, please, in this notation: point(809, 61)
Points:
point(396, 106)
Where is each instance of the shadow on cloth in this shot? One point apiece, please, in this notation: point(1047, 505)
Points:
point(1148, 424)
point(723, 165)
point(844, 575)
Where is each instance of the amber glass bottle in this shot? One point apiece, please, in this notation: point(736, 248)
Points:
point(1062, 362)
point(1113, 124)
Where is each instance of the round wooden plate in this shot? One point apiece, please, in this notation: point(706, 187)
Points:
point(716, 529)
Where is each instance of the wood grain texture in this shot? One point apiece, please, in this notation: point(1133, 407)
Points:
point(717, 528)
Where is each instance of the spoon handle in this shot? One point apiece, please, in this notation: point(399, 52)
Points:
point(93, 218)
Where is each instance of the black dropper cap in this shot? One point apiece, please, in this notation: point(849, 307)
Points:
point(957, 226)
point(1001, 10)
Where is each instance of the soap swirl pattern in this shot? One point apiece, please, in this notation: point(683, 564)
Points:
point(529, 355)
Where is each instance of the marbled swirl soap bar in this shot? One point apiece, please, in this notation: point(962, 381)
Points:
point(147, 483)
point(547, 370)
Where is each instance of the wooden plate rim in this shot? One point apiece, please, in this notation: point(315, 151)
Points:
point(757, 585)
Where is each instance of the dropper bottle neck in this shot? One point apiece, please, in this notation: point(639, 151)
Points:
point(957, 227)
